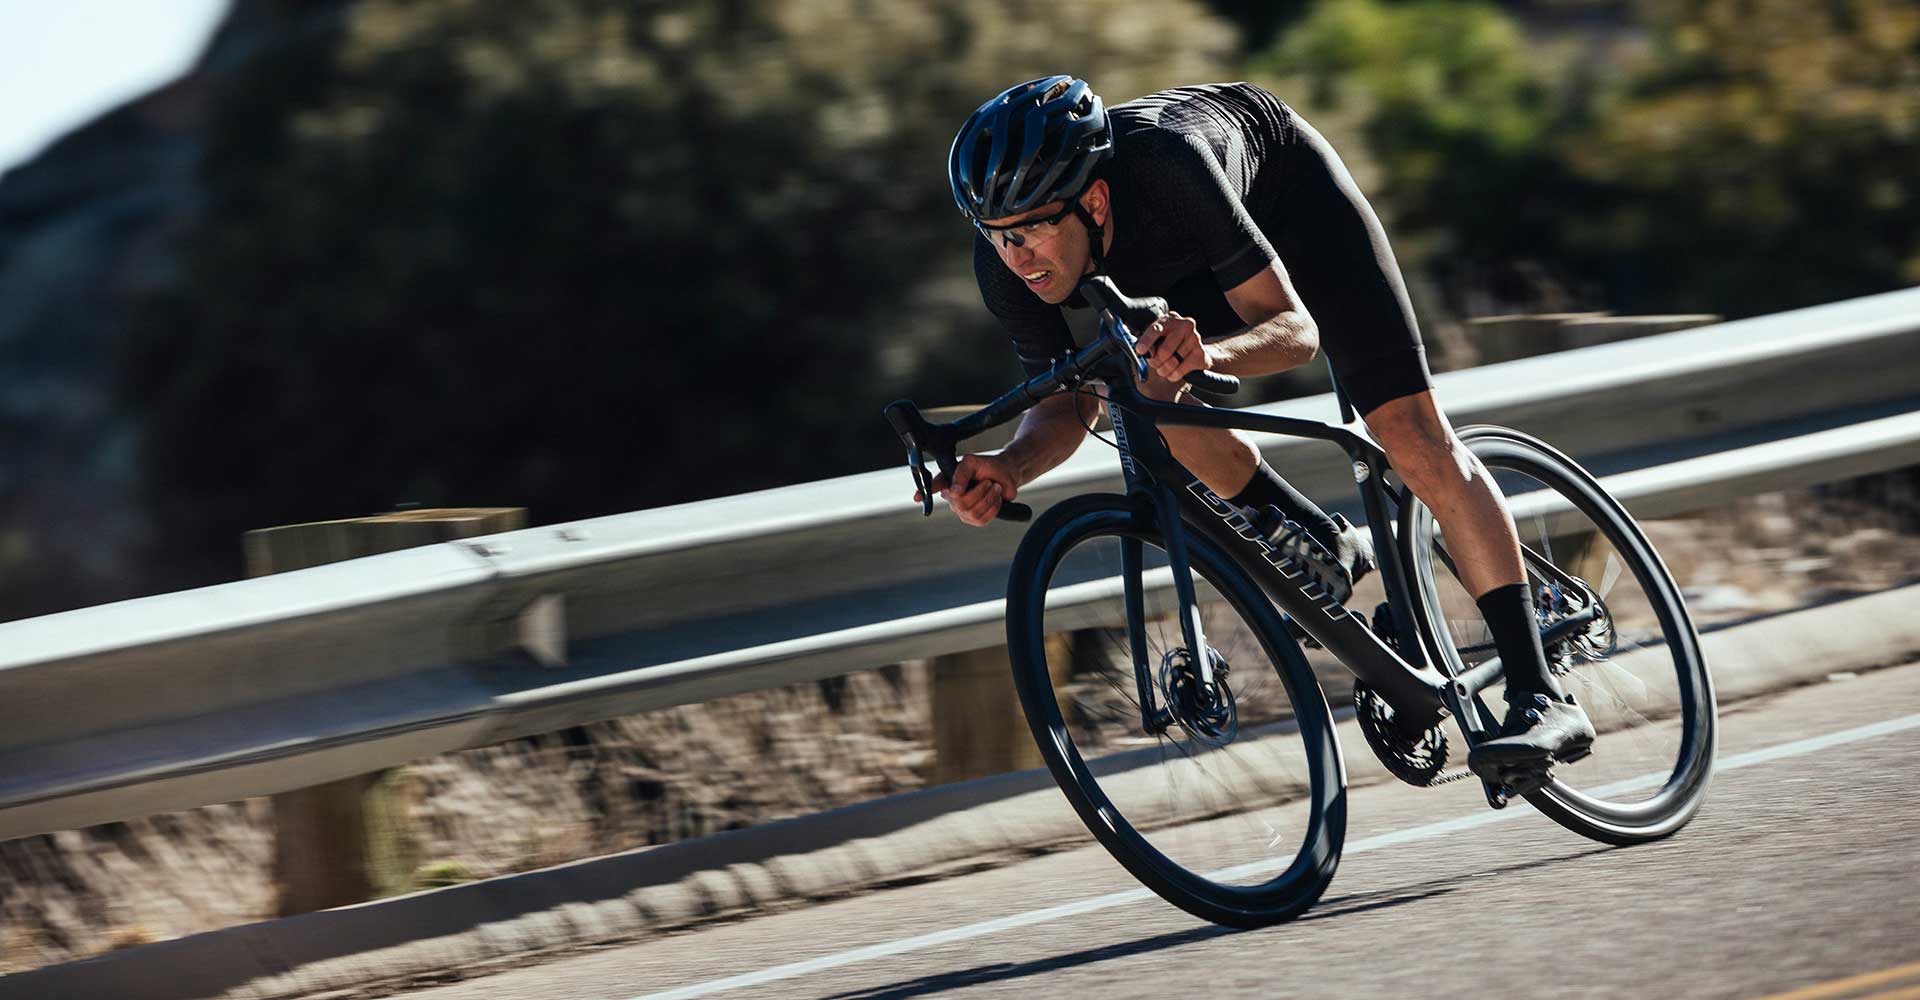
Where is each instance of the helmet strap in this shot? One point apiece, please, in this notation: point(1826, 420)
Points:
point(1096, 236)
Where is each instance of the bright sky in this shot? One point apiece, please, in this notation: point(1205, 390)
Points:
point(63, 62)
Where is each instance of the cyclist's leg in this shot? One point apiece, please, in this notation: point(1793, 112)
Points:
point(1227, 461)
point(1338, 256)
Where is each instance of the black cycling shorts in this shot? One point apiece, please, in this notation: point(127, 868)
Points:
point(1337, 256)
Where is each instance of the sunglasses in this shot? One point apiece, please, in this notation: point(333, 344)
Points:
point(1016, 234)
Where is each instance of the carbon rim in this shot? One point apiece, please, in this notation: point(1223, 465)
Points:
point(1234, 811)
point(1638, 672)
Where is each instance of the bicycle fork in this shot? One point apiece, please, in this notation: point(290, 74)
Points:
point(1155, 717)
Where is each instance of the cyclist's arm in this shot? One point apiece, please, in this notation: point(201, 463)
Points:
point(1049, 434)
point(1206, 207)
point(1280, 334)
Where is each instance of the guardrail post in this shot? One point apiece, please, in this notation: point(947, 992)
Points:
point(350, 841)
point(978, 726)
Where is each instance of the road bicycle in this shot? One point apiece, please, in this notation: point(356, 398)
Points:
point(1156, 643)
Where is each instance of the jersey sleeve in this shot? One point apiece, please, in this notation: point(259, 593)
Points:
point(1039, 333)
point(1199, 198)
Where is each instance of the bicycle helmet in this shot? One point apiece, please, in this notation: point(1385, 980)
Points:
point(1035, 143)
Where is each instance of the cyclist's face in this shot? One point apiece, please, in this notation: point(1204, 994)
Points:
point(1051, 254)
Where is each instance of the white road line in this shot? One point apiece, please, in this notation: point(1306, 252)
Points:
point(857, 955)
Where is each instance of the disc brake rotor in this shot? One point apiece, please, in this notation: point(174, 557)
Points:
point(1206, 711)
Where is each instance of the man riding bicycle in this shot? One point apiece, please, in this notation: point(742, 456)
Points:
point(1222, 200)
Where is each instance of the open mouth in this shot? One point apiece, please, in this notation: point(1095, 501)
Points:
point(1038, 279)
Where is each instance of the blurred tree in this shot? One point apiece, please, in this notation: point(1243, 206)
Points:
point(583, 255)
point(1459, 110)
point(1260, 21)
point(1765, 155)
point(1694, 177)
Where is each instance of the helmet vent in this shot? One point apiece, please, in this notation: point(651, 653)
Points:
point(1035, 143)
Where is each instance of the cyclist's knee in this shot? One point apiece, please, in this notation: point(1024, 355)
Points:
point(1423, 447)
point(1413, 425)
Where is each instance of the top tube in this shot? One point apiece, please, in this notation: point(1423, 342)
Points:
point(1096, 361)
point(1099, 361)
point(1075, 369)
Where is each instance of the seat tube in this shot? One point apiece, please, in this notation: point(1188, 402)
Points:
point(1393, 575)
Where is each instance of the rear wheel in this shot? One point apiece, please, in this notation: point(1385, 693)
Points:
point(1618, 638)
point(1226, 799)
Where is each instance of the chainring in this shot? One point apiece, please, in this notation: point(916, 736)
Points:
point(1419, 760)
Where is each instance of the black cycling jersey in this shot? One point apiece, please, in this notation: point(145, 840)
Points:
point(1209, 185)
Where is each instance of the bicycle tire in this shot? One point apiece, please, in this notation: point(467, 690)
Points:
point(1096, 522)
point(1617, 687)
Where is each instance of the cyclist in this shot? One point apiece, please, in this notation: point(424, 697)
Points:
point(1224, 201)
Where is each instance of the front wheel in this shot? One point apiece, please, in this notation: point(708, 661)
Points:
point(1617, 636)
point(1219, 788)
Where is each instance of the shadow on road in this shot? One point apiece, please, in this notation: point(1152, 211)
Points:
point(1360, 902)
point(1002, 971)
point(1339, 906)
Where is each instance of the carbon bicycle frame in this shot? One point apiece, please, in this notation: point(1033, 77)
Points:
point(1419, 695)
point(1402, 674)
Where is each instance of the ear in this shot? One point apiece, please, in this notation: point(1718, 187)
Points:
point(1094, 200)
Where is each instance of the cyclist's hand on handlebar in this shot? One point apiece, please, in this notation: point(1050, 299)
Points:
point(981, 483)
point(1173, 349)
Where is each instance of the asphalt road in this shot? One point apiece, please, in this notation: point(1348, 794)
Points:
point(1803, 870)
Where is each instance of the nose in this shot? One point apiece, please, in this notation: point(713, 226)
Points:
point(1014, 256)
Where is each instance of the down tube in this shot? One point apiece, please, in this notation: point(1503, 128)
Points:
point(1414, 693)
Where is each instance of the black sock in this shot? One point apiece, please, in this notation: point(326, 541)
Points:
point(1516, 637)
point(1266, 487)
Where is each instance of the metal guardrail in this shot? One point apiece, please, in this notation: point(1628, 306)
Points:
point(291, 680)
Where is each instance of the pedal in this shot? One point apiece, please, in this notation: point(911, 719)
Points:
point(1520, 783)
point(1575, 756)
point(1497, 796)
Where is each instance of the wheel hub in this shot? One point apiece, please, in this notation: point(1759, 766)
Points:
point(1206, 711)
point(1596, 641)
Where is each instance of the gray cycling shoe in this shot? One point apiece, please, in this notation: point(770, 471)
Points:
point(1336, 570)
point(1539, 731)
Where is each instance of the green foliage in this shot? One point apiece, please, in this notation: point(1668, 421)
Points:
point(1452, 69)
point(582, 255)
point(1260, 21)
point(1765, 155)
point(1757, 155)
point(1460, 113)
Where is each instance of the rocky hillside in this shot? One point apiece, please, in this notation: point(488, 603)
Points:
point(91, 232)
point(86, 230)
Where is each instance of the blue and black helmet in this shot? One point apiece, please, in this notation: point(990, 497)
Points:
point(1035, 143)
